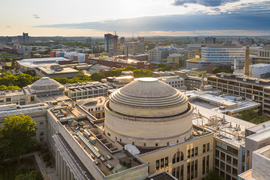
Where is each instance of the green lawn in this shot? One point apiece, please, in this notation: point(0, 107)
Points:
point(8, 171)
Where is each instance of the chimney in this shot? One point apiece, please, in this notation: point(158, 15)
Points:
point(246, 67)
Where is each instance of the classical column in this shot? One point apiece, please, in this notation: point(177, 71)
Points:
point(65, 170)
point(68, 173)
point(62, 168)
point(59, 164)
point(56, 162)
point(72, 176)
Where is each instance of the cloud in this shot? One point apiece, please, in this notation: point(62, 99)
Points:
point(8, 27)
point(209, 3)
point(244, 18)
point(36, 16)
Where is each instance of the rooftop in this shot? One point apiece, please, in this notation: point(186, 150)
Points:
point(49, 70)
point(226, 128)
point(260, 136)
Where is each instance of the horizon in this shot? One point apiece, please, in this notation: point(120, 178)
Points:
point(139, 18)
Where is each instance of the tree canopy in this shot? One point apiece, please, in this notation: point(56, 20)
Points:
point(19, 79)
point(7, 88)
point(97, 76)
point(16, 136)
point(213, 175)
point(136, 72)
point(219, 70)
point(79, 78)
point(253, 117)
point(164, 67)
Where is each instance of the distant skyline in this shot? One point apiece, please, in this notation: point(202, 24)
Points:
point(135, 17)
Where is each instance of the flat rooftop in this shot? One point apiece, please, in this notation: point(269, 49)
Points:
point(260, 136)
point(18, 92)
point(226, 128)
point(89, 102)
point(101, 149)
point(50, 71)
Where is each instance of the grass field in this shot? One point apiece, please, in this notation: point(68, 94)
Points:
point(9, 169)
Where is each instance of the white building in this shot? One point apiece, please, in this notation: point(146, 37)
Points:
point(224, 53)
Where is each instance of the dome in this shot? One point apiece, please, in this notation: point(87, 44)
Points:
point(45, 83)
point(149, 114)
point(148, 97)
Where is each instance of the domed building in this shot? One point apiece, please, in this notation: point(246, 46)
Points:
point(42, 88)
point(149, 114)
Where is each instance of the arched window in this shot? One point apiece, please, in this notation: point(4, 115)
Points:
point(177, 157)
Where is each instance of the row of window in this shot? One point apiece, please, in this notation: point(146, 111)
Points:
point(15, 98)
point(194, 151)
point(192, 169)
point(164, 162)
point(89, 93)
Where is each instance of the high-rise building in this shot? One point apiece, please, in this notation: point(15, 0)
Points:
point(196, 40)
point(210, 40)
point(111, 42)
point(122, 40)
point(25, 37)
point(187, 39)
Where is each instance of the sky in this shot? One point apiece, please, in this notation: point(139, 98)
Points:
point(135, 17)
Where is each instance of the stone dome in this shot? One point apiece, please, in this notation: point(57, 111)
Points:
point(45, 83)
point(148, 97)
point(149, 114)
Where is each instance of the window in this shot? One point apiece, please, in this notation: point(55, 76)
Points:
point(192, 152)
point(79, 93)
point(41, 123)
point(203, 164)
point(208, 147)
point(157, 164)
point(22, 97)
point(166, 161)
point(188, 156)
point(162, 163)
point(41, 139)
point(204, 148)
point(15, 98)
point(32, 98)
point(144, 144)
point(156, 144)
point(196, 151)
point(8, 99)
point(109, 134)
point(207, 164)
point(168, 143)
point(1, 99)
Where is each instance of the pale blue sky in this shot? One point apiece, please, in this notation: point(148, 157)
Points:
point(138, 17)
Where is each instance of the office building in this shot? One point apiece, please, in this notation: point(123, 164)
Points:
point(244, 86)
point(179, 59)
point(196, 40)
point(224, 54)
point(23, 39)
point(111, 43)
point(122, 40)
point(134, 48)
point(210, 40)
point(160, 54)
point(25, 64)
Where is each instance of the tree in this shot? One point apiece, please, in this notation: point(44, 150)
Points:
point(253, 117)
point(32, 175)
point(62, 80)
point(7, 88)
point(16, 136)
point(213, 175)
point(30, 72)
point(97, 76)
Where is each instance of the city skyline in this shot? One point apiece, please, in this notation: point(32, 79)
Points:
point(138, 18)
